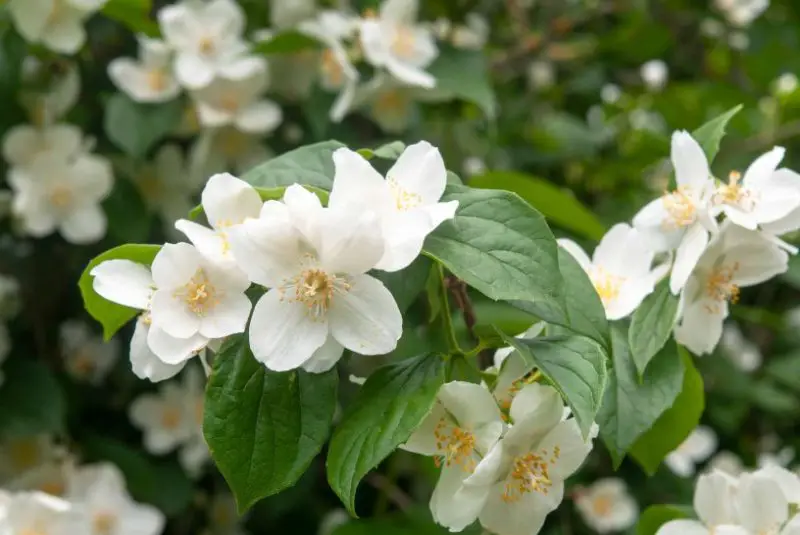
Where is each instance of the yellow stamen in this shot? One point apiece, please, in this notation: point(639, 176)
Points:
point(207, 45)
point(531, 473)
point(720, 287)
point(156, 79)
point(680, 207)
point(60, 197)
point(24, 453)
point(403, 198)
point(104, 523)
point(171, 418)
point(199, 293)
point(332, 70)
point(601, 506)
point(455, 445)
point(607, 285)
point(403, 42)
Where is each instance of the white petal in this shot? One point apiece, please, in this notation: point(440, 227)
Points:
point(757, 262)
point(542, 404)
point(282, 335)
point(93, 177)
point(29, 17)
point(404, 234)
point(211, 115)
point(192, 71)
point(522, 517)
point(788, 481)
point(325, 357)
point(356, 182)
point(573, 449)
point(124, 282)
point(172, 313)
point(68, 35)
point(172, 350)
point(19, 143)
point(228, 317)
point(144, 363)
point(763, 167)
point(683, 527)
point(210, 243)
point(453, 505)
point(761, 505)
point(713, 497)
point(700, 328)
point(410, 74)
point(306, 212)
point(420, 171)
point(473, 407)
point(350, 243)
point(701, 444)
point(260, 117)
point(228, 200)
point(690, 250)
point(86, 224)
point(423, 440)
point(631, 294)
point(688, 160)
point(366, 319)
point(174, 265)
point(576, 252)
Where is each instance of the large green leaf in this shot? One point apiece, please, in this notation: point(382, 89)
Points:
point(135, 127)
point(711, 133)
point(677, 423)
point(264, 428)
point(657, 515)
point(631, 406)
point(311, 165)
point(286, 42)
point(556, 204)
point(408, 283)
point(575, 365)
point(31, 400)
point(465, 75)
point(499, 245)
point(389, 407)
point(134, 14)
point(652, 325)
point(111, 315)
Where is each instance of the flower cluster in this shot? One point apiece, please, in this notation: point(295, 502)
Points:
point(714, 238)
point(313, 261)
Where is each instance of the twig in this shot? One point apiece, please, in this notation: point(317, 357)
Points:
point(396, 495)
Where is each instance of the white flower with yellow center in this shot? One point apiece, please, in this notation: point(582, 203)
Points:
point(607, 506)
point(681, 219)
point(387, 102)
point(87, 356)
point(620, 269)
point(36, 513)
point(99, 492)
point(56, 24)
point(395, 41)
point(151, 78)
point(24, 142)
point(407, 201)
point(314, 260)
point(736, 258)
point(207, 39)
point(22, 455)
point(462, 428)
point(714, 503)
point(49, 104)
point(58, 193)
point(227, 201)
point(697, 447)
point(762, 195)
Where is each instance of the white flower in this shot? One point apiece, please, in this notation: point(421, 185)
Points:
point(57, 24)
point(207, 39)
point(227, 201)
point(289, 14)
point(39, 514)
point(763, 195)
point(526, 470)
point(24, 142)
point(541, 74)
point(87, 356)
point(741, 351)
point(607, 506)
point(388, 103)
point(610, 93)
point(681, 219)
point(394, 41)
point(474, 166)
point(99, 493)
point(655, 74)
point(150, 79)
point(407, 201)
point(728, 462)
point(789, 482)
point(464, 425)
point(54, 101)
point(786, 83)
point(736, 258)
point(761, 505)
point(473, 35)
point(742, 12)
point(226, 149)
point(233, 99)
point(512, 369)
point(321, 300)
point(55, 193)
point(19, 456)
point(714, 504)
point(620, 269)
point(697, 447)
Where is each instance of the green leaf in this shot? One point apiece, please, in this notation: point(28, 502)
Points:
point(134, 14)
point(129, 218)
point(657, 515)
point(465, 75)
point(389, 151)
point(631, 406)
point(111, 315)
point(388, 408)
point(786, 370)
point(31, 400)
point(311, 165)
point(135, 128)
point(499, 245)
point(408, 283)
point(264, 428)
point(268, 194)
point(286, 42)
point(558, 205)
point(772, 399)
point(575, 365)
point(711, 133)
point(652, 325)
point(12, 52)
point(672, 427)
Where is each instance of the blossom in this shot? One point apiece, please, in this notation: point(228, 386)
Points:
point(620, 269)
point(227, 201)
point(541, 74)
point(697, 447)
point(21, 455)
point(151, 78)
point(394, 41)
point(207, 39)
point(512, 370)
point(50, 104)
point(607, 506)
point(321, 300)
point(87, 356)
point(233, 99)
point(654, 73)
point(762, 195)
point(472, 35)
point(681, 219)
point(727, 462)
point(741, 12)
point(714, 504)
point(464, 425)
point(24, 142)
point(736, 258)
point(389, 103)
point(99, 493)
point(226, 149)
point(57, 24)
point(289, 14)
point(739, 350)
point(39, 513)
point(407, 201)
point(787, 180)
point(56, 193)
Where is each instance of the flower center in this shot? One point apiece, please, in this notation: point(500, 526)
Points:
point(531, 473)
point(156, 79)
point(602, 505)
point(332, 71)
point(404, 41)
point(53, 487)
point(151, 186)
point(720, 287)
point(606, 284)
point(60, 197)
point(389, 101)
point(733, 193)
point(403, 198)
point(83, 364)
point(455, 446)
point(199, 293)
point(24, 454)
point(206, 45)
point(680, 208)
point(104, 523)
point(229, 102)
point(171, 418)
point(232, 143)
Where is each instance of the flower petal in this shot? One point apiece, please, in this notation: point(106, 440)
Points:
point(690, 250)
point(144, 363)
point(86, 224)
point(713, 499)
point(700, 328)
point(762, 168)
point(259, 118)
point(688, 160)
point(473, 407)
point(420, 171)
point(172, 350)
point(761, 504)
point(423, 440)
point(171, 313)
point(174, 265)
point(404, 234)
point(357, 183)
point(123, 282)
point(523, 516)
point(229, 316)
point(574, 449)
point(325, 357)
point(453, 505)
point(539, 402)
point(207, 241)
point(349, 243)
point(228, 201)
point(577, 252)
point(683, 527)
